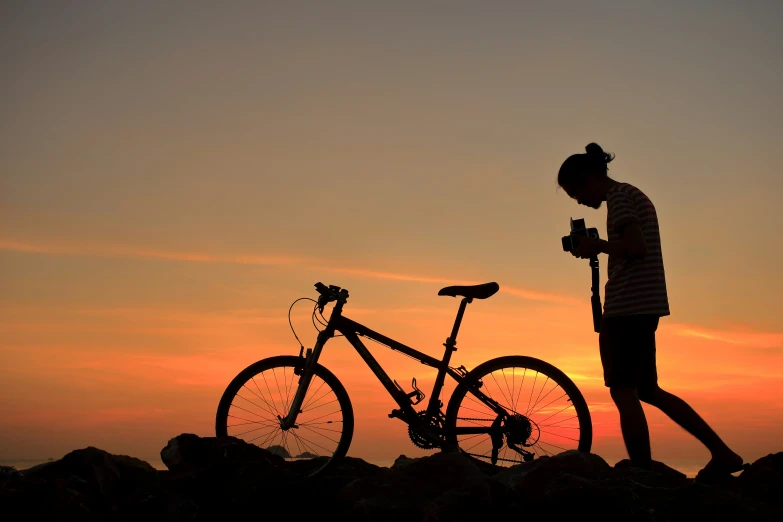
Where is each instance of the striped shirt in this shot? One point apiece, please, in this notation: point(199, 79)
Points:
point(635, 286)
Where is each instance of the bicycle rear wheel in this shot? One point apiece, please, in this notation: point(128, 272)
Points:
point(262, 393)
point(546, 413)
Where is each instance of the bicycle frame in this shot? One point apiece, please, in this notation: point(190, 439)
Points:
point(353, 330)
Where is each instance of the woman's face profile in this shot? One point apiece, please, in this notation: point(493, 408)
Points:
point(584, 194)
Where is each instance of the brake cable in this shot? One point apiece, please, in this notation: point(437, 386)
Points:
point(289, 318)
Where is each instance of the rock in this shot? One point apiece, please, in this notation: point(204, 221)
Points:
point(402, 461)
point(9, 472)
point(225, 478)
point(661, 475)
point(111, 476)
point(476, 499)
point(86, 483)
point(410, 490)
point(763, 480)
point(530, 477)
point(658, 468)
point(348, 467)
point(189, 452)
point(702, 502)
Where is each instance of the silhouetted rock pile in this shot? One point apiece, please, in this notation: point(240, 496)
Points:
point(220, 478)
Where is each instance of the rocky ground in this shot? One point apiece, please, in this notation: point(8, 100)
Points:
point(217, 479)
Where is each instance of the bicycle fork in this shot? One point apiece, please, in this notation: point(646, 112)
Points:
point(305, 369)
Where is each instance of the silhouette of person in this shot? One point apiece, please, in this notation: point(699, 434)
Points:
point(634, 301)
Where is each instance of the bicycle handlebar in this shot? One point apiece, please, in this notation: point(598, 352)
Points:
point(332, 293)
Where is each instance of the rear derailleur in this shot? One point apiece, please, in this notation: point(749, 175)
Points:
point(516, 429)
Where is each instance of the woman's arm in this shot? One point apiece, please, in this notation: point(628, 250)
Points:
point(631, 245)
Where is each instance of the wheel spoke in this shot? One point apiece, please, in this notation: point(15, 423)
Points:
point(476, 444)
point(521, 385)
point(558, 435)
point(314, 444)
point(319, 428)
point(260, 397)
point(253, 422)
point(558, 422)
point(296, 441)
point(496, 384)
point(321, 406)
point(270, 393)
point(531, 391)
point(539, 393)
point(270, 438)
point(550, 444)
point(544, 397)
point(307, 394)
point(510, 393)
point(327, 414)
point(274, 373)
point(248, 411)
point(308, 449)
point(321, 434)
point(253, 403)
point(569, 406)
point(314, 402)
point(256, 429)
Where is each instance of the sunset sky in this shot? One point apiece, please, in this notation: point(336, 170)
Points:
point(173, 175)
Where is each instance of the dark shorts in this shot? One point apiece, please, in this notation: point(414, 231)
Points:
point(628, 351)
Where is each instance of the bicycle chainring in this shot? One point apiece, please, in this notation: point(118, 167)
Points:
point(437, 424)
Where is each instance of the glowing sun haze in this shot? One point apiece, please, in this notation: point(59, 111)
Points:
point(174, 174)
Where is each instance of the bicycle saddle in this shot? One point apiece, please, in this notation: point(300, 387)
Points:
point(474, 291)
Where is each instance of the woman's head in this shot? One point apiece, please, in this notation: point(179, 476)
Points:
point(584, 176)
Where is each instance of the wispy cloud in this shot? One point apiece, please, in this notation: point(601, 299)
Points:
point(532, 295)
point(375, 274)
point(541, 296)
point(738, 337)
point(64, 249)
point(141, 253)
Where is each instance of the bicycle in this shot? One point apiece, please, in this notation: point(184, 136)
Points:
point(297, 421)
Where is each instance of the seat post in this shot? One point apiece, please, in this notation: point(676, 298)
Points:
point(452, 340)
point(435, 402)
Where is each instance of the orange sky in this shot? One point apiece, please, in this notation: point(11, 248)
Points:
point(172, 179)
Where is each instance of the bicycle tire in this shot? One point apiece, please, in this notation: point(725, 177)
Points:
point(487, 368)
point(327, 462)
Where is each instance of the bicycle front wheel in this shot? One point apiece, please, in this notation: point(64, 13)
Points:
point(255, 401)
point(545, 413)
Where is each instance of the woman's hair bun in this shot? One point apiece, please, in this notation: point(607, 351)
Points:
point(595, 150)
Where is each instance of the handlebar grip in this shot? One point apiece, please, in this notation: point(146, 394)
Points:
point(321, 288)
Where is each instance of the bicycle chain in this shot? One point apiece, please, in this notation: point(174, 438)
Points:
point(475, 419)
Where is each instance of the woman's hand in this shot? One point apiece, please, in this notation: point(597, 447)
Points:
point(587, 247)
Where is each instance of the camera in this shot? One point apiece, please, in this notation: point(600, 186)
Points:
point(571, 241)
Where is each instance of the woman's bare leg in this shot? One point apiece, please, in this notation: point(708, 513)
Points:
point(723, 458)
point(633, 424)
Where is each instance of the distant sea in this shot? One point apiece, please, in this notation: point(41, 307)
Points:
point(22, 464)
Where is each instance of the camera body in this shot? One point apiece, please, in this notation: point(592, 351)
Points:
point(578, 228)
